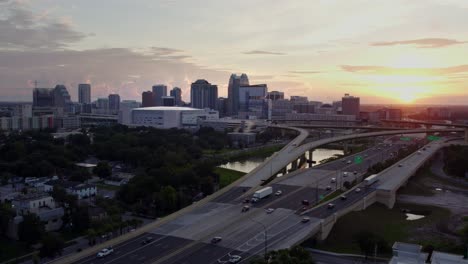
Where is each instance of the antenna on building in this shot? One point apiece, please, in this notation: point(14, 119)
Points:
point(35, 83)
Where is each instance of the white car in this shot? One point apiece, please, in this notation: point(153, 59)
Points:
point(278, 193)
point(235, 259)
point(358, 190)
point(269, 210)
point(104, 252)
point(333, 180)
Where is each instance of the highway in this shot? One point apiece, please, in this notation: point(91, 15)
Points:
point(189, 231)
point(187, 238)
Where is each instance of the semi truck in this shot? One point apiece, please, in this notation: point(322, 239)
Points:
point(262, 193)
point(371, 179)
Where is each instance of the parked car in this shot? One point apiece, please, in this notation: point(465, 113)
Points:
point(216, 240)
point(104, 252)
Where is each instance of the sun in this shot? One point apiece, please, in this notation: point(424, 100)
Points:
point(407, 98)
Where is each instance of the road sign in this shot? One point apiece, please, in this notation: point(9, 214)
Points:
point(432, 138)
point(405, 139)
point(358, 160)
point(321, 197)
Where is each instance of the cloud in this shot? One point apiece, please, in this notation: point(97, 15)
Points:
point(21, 29)
point(100, 67)
point(422, 43)
point(383, 70)
point(305, 72)
point(262, 52)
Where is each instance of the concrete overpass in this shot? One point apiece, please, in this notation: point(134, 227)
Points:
point(345, 127)
point(219, 214)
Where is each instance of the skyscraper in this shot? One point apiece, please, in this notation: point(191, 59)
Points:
point(253, 101)
point(84, 93)
point(61, 96)
point(176, 92)
point(275, 95)
point(203, 94)
point(233, 92)
point(159, 91)
point(43, 97)
point(147, 99)
point(114, 103)
point(350, 105)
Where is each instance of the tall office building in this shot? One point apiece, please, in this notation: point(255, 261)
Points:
point(168, 101)
point(61, 96)
point(235, 82)
point(350, 105)
point(84, 93)
point(103, 104)
point(253, 102)
point(203, 94)
point(43, 97)
point(275, 95)
point(159, 91)
point(114, 103)
point(176, 92)
point(147, 99)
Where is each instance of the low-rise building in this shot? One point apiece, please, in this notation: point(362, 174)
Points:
point(80, 190)
point(39, 203)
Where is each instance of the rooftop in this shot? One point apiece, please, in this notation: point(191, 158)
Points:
point(166, 108)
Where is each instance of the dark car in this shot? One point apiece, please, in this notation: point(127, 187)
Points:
point(147, 240)
point(305, 202)
point(215, 240)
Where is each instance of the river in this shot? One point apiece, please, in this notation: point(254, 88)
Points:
point(250, 164)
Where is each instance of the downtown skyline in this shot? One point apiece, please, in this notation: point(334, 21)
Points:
point(385, 52)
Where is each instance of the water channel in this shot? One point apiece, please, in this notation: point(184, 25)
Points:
point(250, 164)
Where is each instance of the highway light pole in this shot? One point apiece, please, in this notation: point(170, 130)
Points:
point(266, 237)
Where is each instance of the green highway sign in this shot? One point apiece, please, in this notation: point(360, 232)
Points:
point(405, 139)
point(321, 197)
point(358, 160)
point(432, 138)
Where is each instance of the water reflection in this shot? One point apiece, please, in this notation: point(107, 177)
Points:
point(250, 164)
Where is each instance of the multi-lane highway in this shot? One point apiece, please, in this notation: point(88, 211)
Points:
point(187, 239)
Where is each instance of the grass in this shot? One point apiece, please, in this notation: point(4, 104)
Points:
point(331, 196)
point(227, 176)
point(388, 223)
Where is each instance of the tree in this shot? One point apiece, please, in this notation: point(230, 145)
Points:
point(6, 215)
point(168, 198)
point(102, 169)
point(295, 255)
point(52, 245)
point(369, 242)
point(80, 219)
point(30, 229)
point(91, 235)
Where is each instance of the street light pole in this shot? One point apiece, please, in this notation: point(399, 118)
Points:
point(266, 237)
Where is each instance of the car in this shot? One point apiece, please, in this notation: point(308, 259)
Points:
point(330, 206)
point(400, 165)
point(147, 240)
point(343, 160)
point(348, 162)
point(303, 208)
point(328, 188)
point(104, 252)
point(305, 219)
point(365, 155)
point(254, 200)
point(216, 240)
point(269, 210)
point(305, 202)
point(246, 200)
point(295, 144)
point(235, 259)
point(345, 174)
point(355, 172)
point(358, 190)
point(333, 180)
point(343, 197)
point(245, 208)
point(419, 152)
point(278, 193)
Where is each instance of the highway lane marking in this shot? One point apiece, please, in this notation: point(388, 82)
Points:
point(130, 252)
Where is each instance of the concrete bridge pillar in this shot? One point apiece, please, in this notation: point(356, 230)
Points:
point(466, 135)
point(283, 132)
point(345, 147)
point(302, 160)
point(310, 160)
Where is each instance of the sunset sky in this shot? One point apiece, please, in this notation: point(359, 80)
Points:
point(398, 51)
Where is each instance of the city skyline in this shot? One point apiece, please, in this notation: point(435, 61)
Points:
point(383, 52)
